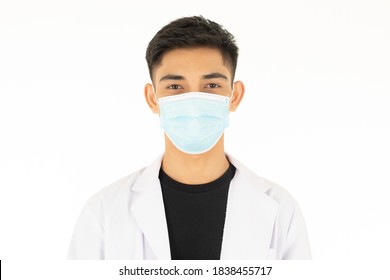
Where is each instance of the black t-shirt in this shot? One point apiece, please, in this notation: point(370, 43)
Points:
point(196, 216)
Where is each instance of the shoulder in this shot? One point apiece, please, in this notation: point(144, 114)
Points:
point(88, 239)
point(285, 200)
point(278, 193)
point(275, 193)
point(102, 202)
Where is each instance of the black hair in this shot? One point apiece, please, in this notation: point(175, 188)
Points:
point(192, 32)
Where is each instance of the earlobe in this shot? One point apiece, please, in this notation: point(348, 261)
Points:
point(151, 98)
point(238, 94)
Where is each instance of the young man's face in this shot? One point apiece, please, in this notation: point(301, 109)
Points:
point(188, 70)
point(193, 70)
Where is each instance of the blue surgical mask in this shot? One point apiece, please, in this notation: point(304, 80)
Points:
point(194, 121)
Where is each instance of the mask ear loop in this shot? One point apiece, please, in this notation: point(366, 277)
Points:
point(231, 96)
point(155, 96)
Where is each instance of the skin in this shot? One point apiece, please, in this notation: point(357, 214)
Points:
point(187, 70)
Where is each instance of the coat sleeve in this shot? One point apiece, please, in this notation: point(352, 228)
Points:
point(88, 237)
point(296, 243)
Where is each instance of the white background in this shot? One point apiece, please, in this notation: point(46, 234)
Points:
point(315, 117)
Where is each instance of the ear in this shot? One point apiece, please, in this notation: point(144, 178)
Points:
point(238, 94)
point(150, 98)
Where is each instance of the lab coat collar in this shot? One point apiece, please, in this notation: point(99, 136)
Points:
point(250, 214)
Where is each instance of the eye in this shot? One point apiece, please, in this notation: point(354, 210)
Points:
point(213, 86)
point(175, 87)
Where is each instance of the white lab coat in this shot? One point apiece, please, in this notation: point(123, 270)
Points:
point(126, 220)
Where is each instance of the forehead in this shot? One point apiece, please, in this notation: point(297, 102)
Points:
point(193, 61)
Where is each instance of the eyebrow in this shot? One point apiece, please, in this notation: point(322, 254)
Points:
point(213, 75)
point(171, 77)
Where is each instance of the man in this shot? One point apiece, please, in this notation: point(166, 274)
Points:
point(194, 202)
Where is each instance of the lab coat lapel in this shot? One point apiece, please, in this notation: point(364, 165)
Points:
point(249, 222)
point(148, 210)
point(250, 217)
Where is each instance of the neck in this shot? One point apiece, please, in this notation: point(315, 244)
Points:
point(194, 169)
